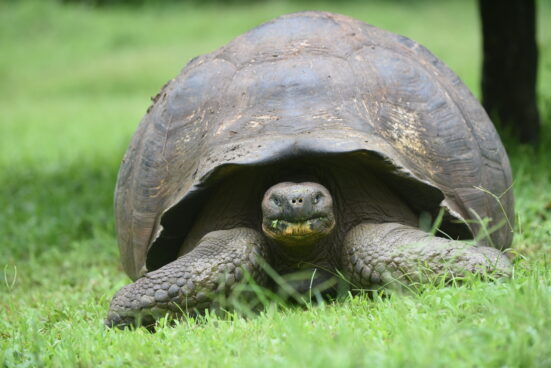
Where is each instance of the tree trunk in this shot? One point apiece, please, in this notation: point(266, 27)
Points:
point(510, 65)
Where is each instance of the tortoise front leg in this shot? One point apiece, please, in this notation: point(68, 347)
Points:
point(382, 253)
point(189, 283)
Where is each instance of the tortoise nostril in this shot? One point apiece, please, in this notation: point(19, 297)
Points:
point(297, 201)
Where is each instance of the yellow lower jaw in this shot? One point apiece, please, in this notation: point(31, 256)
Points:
point(300, 229)
point(294, 233)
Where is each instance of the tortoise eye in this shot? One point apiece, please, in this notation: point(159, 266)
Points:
point(276, 201)
point(317, 198)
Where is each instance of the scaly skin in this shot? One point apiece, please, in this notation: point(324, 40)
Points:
point(190, 283)
point(381, 254)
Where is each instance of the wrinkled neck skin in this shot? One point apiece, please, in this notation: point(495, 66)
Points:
point(318, 255)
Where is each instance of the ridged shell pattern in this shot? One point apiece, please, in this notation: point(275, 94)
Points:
point(311, 82)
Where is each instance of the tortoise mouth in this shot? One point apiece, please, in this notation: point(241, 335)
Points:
point(298, 233)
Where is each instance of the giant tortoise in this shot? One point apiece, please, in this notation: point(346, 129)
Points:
point(313, 142)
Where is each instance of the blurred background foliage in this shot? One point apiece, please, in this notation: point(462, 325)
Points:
point(195, 2)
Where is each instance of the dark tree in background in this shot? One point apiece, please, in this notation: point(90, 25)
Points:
point(510, 65)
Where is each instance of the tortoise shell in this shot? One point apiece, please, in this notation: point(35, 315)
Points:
point(311, 83)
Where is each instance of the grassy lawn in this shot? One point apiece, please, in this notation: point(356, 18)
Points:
point(75, 81)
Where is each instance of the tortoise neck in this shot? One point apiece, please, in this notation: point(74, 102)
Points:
point(295, 258)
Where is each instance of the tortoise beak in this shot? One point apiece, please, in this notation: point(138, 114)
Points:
point(298, 233)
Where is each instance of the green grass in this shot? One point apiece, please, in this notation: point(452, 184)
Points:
point(75, 81)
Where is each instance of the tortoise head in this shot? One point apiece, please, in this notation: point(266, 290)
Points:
point(297, 214)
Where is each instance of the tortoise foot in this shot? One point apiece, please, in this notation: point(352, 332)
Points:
point(193, 281)
point(382, 254)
